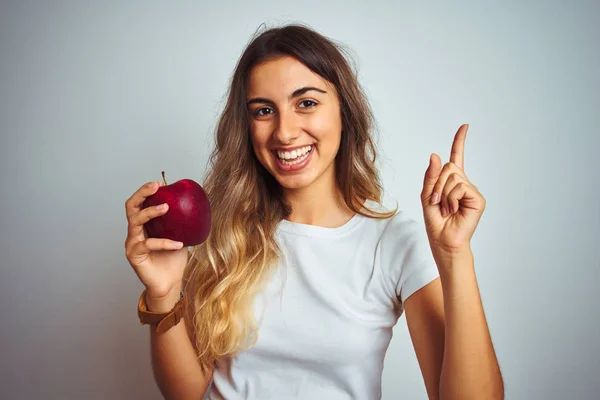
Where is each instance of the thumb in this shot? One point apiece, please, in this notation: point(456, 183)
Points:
point(431, 176)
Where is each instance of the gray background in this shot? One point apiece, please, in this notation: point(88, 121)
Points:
point(98, 98)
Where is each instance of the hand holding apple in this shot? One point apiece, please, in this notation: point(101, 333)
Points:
point(188, 220)
point(159, 254)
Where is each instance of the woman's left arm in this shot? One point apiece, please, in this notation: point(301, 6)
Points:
point(445, 318)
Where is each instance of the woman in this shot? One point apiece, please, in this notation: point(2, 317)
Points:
point(295, 292)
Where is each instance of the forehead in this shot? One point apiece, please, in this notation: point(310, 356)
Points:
point(281, 76)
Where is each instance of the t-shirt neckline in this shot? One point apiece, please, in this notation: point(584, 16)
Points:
point(320, 231)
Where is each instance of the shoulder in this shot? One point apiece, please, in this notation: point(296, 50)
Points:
point(403, 253)
point(398, 229)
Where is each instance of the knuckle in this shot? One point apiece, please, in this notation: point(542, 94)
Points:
point(142, 217)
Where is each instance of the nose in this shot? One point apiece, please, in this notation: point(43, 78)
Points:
point(287, 129)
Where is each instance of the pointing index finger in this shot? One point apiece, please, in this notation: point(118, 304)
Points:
point(457, 156)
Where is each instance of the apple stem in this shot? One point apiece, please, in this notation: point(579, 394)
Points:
point(164, 179)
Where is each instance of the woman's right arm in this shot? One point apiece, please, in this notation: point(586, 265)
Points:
point(176, 370)
point(159, 264)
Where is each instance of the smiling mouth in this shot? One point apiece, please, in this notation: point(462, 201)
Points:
point(294, 157)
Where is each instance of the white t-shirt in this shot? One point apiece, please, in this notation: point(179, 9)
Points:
point(328, 311)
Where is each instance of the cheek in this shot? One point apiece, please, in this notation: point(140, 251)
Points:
point(259, 138)
point(327, 128)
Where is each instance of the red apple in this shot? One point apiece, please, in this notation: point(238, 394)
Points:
point(188, 218)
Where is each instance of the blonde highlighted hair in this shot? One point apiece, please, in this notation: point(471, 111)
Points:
point(226, 272)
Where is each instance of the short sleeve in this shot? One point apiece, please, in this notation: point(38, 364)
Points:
point(406, 256)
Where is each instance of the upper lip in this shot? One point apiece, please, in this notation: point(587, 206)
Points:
point(290, 148)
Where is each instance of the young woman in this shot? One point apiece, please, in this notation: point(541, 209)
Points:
point(296, 290)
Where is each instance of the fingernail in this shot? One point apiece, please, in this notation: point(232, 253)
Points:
point(150, 184)
point(161, 206)
point(444, 211)
point(177, 245)
point(435, 198)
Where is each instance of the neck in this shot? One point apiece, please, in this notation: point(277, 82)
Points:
point(320, 204)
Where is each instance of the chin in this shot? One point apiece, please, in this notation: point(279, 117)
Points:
point(298, 182)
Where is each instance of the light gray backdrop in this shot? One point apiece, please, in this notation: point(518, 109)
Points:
point(98, 98)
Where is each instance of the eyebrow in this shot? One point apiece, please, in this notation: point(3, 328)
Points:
point(297, 93)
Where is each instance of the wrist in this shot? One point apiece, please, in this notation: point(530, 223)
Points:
point(455, 265)
point(165, 303)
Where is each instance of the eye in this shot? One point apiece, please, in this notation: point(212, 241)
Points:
point(307, 104)
point(261, 112)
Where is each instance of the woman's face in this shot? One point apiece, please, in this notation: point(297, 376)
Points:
point(295, 122)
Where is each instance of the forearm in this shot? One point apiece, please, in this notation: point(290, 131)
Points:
point(176, 369)
point(470, 368)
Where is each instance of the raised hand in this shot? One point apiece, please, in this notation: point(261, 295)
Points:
point(452, 205)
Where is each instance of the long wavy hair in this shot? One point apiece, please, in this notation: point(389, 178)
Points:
point(225, 273)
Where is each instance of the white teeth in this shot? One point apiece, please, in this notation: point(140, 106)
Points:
point(287, 155)
point(295, 156)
